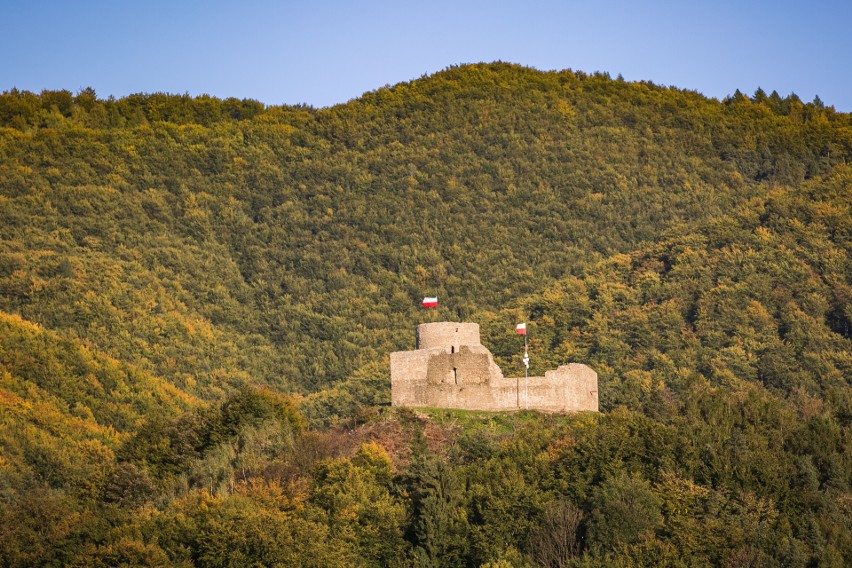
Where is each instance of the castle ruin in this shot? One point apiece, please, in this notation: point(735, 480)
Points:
point(450, 368)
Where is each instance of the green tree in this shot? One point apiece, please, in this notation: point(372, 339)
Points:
point(624, 508)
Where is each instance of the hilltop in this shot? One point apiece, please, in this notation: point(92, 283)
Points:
point(193, 291)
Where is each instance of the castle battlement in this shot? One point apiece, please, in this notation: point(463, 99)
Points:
point(450, 368)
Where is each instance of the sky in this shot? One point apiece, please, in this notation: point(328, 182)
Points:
point(325, 52)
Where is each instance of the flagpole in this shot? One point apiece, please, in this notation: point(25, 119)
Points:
point(521, 328)
point(435, 312)
point(526, 374)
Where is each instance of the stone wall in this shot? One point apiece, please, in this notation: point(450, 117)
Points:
point(451, 369)
point(447, 334)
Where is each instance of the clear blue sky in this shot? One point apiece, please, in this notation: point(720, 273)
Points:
point(327, 52)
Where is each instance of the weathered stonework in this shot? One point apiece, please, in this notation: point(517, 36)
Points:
point(451, 369)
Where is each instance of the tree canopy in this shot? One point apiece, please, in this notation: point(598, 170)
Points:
point(198, 296)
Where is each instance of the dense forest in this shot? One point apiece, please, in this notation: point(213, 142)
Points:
point(198, 298)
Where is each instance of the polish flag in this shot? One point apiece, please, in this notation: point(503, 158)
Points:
point(430, 302)
point(521, 329)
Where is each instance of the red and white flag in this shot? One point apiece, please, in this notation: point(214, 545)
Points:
point(521, 329)
point(430, 302)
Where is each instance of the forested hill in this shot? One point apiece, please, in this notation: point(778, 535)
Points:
point(185, 281)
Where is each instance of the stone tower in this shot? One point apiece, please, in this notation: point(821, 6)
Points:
point(450, 368)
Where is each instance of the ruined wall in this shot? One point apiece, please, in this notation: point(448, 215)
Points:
point(570, 388)
point(451, 369)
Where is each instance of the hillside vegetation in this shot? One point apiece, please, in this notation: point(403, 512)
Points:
point(197, 299)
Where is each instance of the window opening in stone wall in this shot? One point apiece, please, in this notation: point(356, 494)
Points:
point(456, 375)
point(453, 349)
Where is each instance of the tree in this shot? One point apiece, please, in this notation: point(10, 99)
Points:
point(439, 524)
point(557, 540)
point(624, 508)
